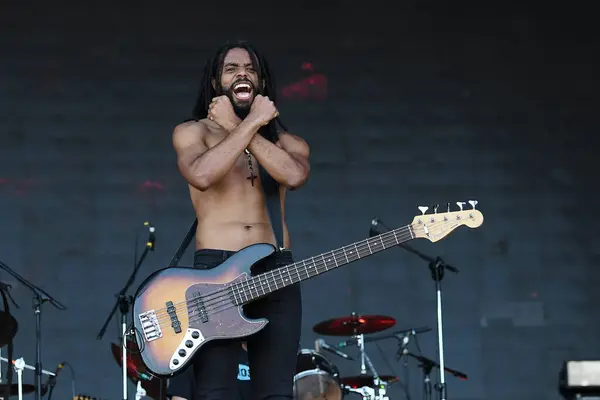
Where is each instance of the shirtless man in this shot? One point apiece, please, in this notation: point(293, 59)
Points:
point(236, 126)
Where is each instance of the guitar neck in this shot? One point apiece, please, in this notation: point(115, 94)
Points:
point(263, 284)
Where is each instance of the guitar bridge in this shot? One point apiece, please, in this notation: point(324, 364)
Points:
point(150, 326)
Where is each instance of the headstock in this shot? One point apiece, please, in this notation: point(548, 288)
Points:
point(436, 226)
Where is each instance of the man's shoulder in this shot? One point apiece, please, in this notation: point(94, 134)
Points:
point(191, 128)
point(190, 124)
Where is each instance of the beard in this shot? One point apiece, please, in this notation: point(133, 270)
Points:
point(240, 107)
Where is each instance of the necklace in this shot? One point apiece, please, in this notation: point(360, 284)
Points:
point(250, 167)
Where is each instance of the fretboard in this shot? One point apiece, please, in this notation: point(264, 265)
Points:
point(263, 284)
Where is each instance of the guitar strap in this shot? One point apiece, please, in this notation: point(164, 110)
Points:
point(184, 244)
point(271, 190)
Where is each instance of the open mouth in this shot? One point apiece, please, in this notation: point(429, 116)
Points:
point(242, 90)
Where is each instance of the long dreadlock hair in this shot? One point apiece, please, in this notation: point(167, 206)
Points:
point(213, 70)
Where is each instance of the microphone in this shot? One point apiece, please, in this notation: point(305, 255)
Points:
point(321, 344)
point(403, 348)
point(151, 243)
point(346, 343)
point(374, 231)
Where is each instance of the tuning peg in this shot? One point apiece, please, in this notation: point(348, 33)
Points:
point(423, 209)
point(435, 208)
point(473, 203)
point(448, 204)
point(460, 204)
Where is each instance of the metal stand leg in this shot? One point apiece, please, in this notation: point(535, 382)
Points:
point(19, 365)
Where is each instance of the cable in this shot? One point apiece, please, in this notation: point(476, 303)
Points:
point(72, 378)
point(72, 381)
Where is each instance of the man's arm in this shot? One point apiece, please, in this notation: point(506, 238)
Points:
point(202, 167)
point(286, 162)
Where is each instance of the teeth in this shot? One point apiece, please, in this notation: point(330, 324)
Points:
point(240, 85)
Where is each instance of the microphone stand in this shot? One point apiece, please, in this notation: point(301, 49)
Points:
point(123, 302)
point(437, 266)
point(402, 351)
point(427, 365)
point(39, 297)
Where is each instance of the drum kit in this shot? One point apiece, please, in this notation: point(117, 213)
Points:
point(318, 378)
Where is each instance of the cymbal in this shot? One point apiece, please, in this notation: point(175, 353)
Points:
point(8, 328)
point(354, 325)
point(14, 389)
point(366, 380)
point(137, 371)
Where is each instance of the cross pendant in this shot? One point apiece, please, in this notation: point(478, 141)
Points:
point(252, 177)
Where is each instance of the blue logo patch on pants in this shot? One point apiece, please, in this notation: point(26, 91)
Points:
point(243, 372)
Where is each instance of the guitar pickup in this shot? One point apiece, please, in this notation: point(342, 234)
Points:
point(199, 306)
point(171, 310)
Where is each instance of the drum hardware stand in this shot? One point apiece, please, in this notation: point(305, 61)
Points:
point(369, 393)
point(19, 365)
point(364, 359)
point(123, 302)
point(437, 266)
point(39, 298)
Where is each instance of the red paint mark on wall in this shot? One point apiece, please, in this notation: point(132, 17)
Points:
point(312, 87)
point(150, 193)
point(151, 186)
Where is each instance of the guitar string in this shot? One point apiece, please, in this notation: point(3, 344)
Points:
point(225, 294)
point(243, 288)
point(218, 306)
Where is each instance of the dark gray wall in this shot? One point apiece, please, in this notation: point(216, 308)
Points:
point(429, 103)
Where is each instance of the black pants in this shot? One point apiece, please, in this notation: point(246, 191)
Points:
point(272, 352)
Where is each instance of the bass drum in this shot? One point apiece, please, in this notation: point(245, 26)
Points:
point(316, 378)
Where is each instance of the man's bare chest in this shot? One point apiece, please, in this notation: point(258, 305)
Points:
point(245, 167)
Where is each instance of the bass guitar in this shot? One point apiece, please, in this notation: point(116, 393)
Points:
point(177, 310)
